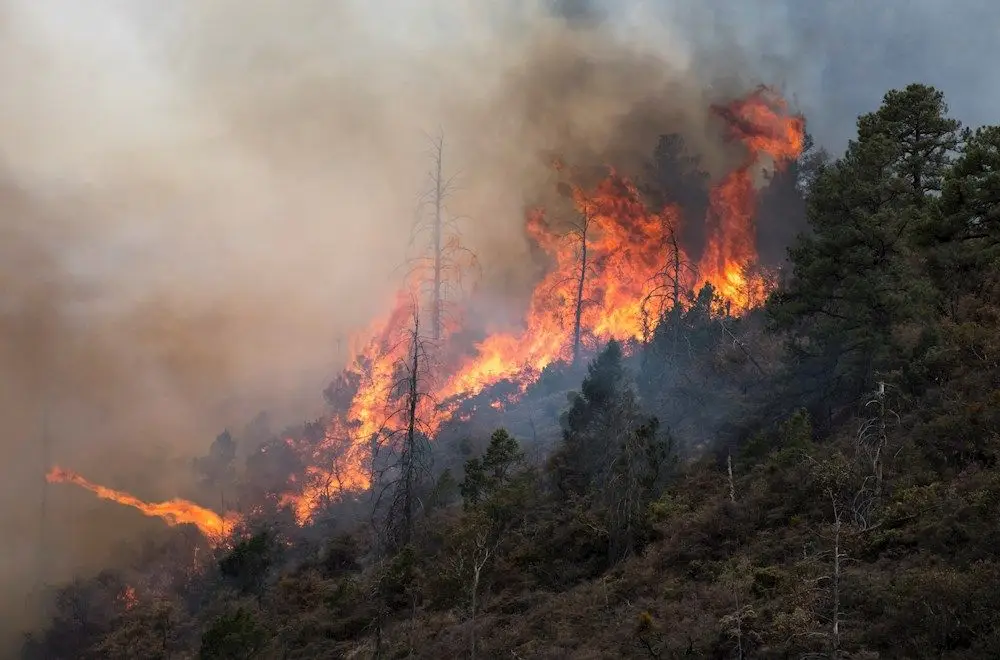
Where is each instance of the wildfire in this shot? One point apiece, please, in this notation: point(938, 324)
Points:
point(338, 463)
point(604, 264)
point(607, 263)
point(173, 512)
point(761, 123)
point(603, 269)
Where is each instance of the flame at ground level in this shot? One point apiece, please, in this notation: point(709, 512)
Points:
point(173, 512)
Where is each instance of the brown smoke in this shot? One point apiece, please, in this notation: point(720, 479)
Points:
point(199, 198)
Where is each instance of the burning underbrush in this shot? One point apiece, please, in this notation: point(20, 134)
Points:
point(617, 269)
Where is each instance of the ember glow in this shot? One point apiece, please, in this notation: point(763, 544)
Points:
point(127, 598)
point(603, 266)
point(172, 512)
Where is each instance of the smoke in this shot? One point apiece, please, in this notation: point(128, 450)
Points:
point(200, 198)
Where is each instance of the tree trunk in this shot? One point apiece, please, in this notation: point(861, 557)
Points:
point(409, 465)
point(377, 651)
point(675, 248)
point(732, 484)
point(918, 180)
point(475, 593)
point(579, 288)
point(436, 311)
point(836, 589)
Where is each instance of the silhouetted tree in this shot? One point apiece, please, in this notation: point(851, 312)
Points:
point(234, 635)
point(493, 471)
point(673, 177)
point(218, 469)
point(248, 564)
point(915, 121)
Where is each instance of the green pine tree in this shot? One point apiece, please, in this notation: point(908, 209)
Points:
point(857, 278)
point(965, 242)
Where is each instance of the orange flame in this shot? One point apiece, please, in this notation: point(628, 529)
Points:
point(624, 245)
point(340, 461)
point(173, 512)
point(761, 123)
point(626, 248)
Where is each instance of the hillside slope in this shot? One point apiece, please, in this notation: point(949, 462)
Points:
point(816, 479)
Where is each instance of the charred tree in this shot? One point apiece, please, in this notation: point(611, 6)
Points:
point(436, 242)
point(664, 300)
point(577, 234)
point(407, 459)
point(441, 261)
point(674, 276)
point(401, 452)
point(400, 467)
point(581, 232)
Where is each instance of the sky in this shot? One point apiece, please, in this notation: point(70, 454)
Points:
point(838, 57)
point(854, 51)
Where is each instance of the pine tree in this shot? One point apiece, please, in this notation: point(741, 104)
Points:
point(856, 277)
point(217, 469)
point(965, 242)
point(673, 176)
point(915, 120)
point(611, 456)
point(486, 475)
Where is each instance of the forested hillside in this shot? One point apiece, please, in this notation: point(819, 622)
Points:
point(814, 476)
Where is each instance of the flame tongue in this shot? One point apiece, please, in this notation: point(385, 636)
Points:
point(762, 124)
point(173, 512)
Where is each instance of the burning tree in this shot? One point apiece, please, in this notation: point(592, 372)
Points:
point(577, 235)
point(675, 182)
point(580, 231)
point(401, 453)
point(400, 466)
point(671, 282)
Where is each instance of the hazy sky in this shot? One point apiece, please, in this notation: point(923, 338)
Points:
point(853, 51)
point(838, 57)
